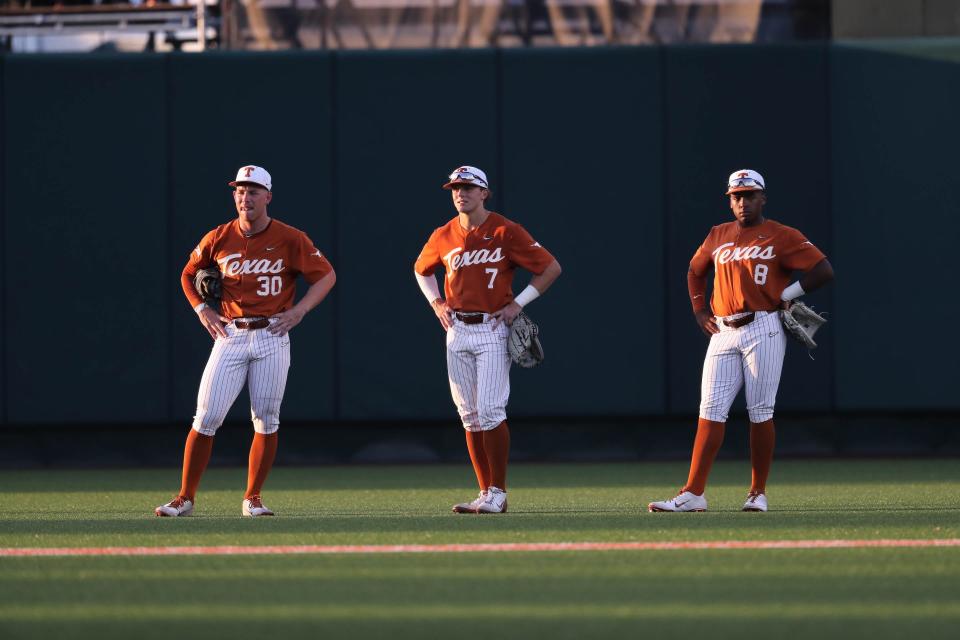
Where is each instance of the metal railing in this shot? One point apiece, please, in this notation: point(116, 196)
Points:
point(180, 22)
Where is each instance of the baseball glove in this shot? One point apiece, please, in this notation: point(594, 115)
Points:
point(207, 284)
point(524, 343)
point(801, 322)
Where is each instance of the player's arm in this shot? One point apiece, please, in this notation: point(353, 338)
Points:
point(212, 321)
point(428, 285)
point(539, 284)
point(423, 269)
point(697, 289)
point(287, 320)
point(819, 275)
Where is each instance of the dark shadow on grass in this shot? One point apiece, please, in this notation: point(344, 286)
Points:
point(580, 476)
point(435, 528)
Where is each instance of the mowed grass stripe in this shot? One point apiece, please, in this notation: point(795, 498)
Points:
point(320, 612)
point(231, 550)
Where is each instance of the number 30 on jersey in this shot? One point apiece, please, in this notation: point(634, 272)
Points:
point(269, 285)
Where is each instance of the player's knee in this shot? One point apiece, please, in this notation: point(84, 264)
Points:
point(491, 418)
point(206, 426)
point(760, 414)
point(266, 426)
point(265, 415)
point(468, 419)
point(266, 422)
point(714, 414)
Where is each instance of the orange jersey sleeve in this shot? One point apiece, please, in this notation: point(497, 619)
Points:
point(200, 258)
point(479, 265)
point(752, 265)
point(260, 271)
point(429, 258)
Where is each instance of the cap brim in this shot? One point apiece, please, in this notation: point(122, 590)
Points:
point(739, 189)
point(234, 183)
point(451, 184)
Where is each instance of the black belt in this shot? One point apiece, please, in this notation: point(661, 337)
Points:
point(262, 323)
point(740, 322)
point(469, 317)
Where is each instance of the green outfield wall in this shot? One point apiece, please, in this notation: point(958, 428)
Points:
point(114, 166)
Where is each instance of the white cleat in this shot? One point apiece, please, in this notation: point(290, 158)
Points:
point(495, 501)
point(470, 507)
point(755, 502)
point(177, 507)
point(253, 507)
point(685, 501)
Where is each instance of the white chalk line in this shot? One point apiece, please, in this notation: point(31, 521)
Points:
point(232, 550)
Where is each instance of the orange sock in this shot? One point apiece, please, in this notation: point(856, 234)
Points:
point(478, 456)
point(705, 448)
point(762, 438)
point(262, 453)
point(196, 455)
point(497, 444)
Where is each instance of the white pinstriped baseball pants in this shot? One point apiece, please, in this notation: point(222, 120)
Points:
point(750, 356)
point(478, 366)
point(251, 356)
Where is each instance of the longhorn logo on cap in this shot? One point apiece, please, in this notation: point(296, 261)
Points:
point(247, 171)
point(742, 174)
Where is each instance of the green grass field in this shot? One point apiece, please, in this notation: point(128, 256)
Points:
point(799, 593)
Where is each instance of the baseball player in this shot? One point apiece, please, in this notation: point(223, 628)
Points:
point(753, 259)
point(479, 251)
point(259, 259)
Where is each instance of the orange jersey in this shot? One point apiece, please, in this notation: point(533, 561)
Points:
point(480, 264)
point(259, 272)
point(752, 265)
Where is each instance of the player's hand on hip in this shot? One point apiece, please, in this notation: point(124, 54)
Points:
point(214, 323)
point(444, 313)
point(708, 324)
point(284, 321)
point(506, 315)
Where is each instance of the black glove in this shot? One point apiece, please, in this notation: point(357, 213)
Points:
point(207, 284)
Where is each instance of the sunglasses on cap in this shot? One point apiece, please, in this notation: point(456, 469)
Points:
point(745, 182)
point(466, 176)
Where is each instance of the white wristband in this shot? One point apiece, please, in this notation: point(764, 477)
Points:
point(527, 296)
point(793, 291)
point(428, 285)
point(200, 307)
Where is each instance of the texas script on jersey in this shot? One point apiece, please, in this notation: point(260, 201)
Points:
point(232, 267)
point(455, 259)
point(724, 254)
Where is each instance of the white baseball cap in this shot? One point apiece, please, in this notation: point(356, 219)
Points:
point(251, 174)
point(745, 180)
point(467, 175)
